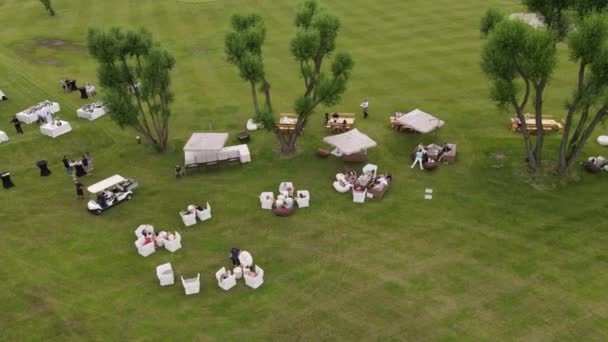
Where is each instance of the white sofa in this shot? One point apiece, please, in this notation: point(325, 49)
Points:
point(175, 244)
point(303, 198)
point(204, 214)
point(165, 274)
point(192, 285)
point(144, 250)
point(189, 218)
point(257, 281)
point(228, 282)
point(267, 200)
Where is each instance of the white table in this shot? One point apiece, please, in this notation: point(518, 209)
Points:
point(238, 272)
point(92, 111)
point(31, 114)
point(53, 130)
point(3, 137)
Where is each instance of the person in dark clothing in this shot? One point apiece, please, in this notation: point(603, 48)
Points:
point(85, 164)
point(66, 164)
point(79, 190)
point(17, 124)
point(80, 171)
point(234, 256)
point(326, 118)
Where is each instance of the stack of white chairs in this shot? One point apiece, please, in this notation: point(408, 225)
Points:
point(192, 285)
point(223, 281)
point(165, 275)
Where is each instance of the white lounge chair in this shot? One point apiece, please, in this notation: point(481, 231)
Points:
point(226, 283)
point(192, 285)
point(165, 275)
point(139, 232)
point(359, 196)
point(175, 244)
point(189, 218)
point(257, 281)
point(266, 200)
point(204, 214)
point(144, 250)
point(303, 198)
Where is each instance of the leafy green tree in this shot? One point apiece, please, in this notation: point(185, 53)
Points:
point(313, 44)
point(49, 7)
point(135, 74)
point(243, 48)
point(490, 19)
point(588, 48)
point(586, 7)
point(555, 13)
point(519, 62)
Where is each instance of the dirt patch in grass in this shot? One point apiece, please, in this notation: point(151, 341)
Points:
point(30, 50)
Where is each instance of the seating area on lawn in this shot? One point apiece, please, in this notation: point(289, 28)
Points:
point(369, 184)
point(287, 199)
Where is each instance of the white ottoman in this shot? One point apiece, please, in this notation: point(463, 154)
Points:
point(602, 140)
point(238, 272)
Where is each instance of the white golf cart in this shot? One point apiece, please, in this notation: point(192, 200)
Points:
point(109, 192)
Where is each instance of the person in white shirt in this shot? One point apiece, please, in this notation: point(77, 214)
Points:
point(365, 105)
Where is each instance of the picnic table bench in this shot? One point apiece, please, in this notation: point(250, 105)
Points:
point(549, 124)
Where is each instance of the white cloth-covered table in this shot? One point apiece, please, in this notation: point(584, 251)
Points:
point(92, 111)
point(3, 137)
point(54, 130)
point(31, 114)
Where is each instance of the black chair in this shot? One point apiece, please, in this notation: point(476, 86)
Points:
point(6, 180)
point(44, 169)
point(243, 137)
point(83, 93)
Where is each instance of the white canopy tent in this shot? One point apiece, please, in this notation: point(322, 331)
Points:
point(420, 121)
point(351, 142)
point(204, 147)
point(535, 20)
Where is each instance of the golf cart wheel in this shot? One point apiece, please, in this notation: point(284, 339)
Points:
point(97, 212)
point(129, 197)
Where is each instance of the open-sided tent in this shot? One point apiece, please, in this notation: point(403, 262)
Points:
point(420, 121)
point(204, 147)
point(351, 142)
point(535, 20)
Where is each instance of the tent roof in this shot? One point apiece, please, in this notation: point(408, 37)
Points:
point(350, 142)
point(105, 184)
point(420, 121)
point(206, 141)
point(535, 20)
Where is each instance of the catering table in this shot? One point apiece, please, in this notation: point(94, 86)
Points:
point(31, 114)
point(91, 111)
point(3, 137)
point(54, 130)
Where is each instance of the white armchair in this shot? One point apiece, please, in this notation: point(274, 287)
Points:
point(370, 169)
point(266, 200)
point(359, 196)
point(341, 187)
point(175, 244)
point(204, 214)
point(257, 281)
point(144, 249)
point(139, 232)
point(188, 217)
point(192, 285)
point(165, 275)
point(286, 189)
point(303, 198)
point(227, 282)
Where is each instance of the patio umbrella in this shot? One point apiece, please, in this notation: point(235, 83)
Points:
point(245, 258)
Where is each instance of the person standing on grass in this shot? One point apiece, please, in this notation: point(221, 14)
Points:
point(66, 164)
point(89, 159)
point(17, 124)
point(418, 160)
point(365, 106)
point(79, 190)
point(85, 165)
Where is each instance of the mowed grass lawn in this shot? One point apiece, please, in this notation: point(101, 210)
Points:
point(489, 258)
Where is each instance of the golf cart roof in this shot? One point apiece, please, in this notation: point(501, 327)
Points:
point(105, 184)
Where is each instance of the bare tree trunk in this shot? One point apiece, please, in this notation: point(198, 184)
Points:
point(266, 89)
point(540, 132)
point(578, 145)
point(254, 93)
point(47, 4)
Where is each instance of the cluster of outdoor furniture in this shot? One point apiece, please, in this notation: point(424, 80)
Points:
point(596, 164)
point(350, 146)
point(165, 276)
point(286, 200)
point(148, 241)
point(205, 149)
point(415, 121)
point(194, 212)
point(92, 111)
point(253, 275)
point(339, 122)
point(548, 122)
point(429, 156)
point(367, 185)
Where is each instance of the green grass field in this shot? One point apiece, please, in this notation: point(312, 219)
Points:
point(489, 258)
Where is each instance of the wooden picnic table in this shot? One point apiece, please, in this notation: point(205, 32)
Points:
point(549, 124)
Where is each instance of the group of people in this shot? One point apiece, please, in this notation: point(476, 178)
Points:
point(78, 168)
point(335, 122)
point(422, 157)
point(157, 239)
